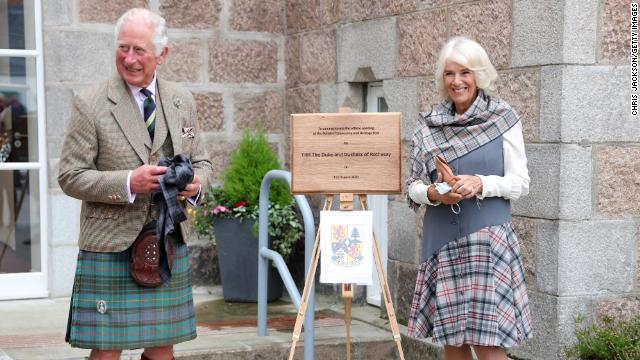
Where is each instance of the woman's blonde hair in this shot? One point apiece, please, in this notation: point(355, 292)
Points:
point(471, 55)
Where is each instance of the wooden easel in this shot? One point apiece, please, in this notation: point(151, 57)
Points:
point(346, 204)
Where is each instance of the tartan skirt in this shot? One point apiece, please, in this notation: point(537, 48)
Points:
point(472, 291)
point(109, 311)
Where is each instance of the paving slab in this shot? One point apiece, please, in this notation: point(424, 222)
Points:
point(35, 329)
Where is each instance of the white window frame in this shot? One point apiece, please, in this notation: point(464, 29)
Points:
point(33, 284)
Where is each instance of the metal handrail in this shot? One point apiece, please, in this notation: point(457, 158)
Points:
point(265, 254)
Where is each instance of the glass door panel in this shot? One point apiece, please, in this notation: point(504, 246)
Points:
point(18, 110)
point(23, 260)
point(19, 222)
point(16, 25)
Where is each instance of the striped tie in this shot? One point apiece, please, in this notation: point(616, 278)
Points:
point(149, 107)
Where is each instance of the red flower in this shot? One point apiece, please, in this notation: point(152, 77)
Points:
point(239, 204)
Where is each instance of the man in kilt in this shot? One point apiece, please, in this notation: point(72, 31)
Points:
point(118, 132)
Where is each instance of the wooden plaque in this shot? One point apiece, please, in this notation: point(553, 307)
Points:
point(346, 153)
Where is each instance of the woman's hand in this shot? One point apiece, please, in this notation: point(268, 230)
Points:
point(449, 198)
point(467, 186)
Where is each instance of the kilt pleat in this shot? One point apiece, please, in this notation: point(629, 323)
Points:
point(473, 292)
point(110, 311)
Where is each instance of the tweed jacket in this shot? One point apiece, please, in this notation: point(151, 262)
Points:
point(105, 140)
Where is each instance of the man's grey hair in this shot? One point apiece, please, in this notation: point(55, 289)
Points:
point(160, 38)
point(471, 55)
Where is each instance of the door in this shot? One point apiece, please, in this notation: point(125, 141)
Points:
point(23, 260)
point(377, 203)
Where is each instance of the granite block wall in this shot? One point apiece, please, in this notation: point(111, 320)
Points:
point(229, 53)
point(561, 65)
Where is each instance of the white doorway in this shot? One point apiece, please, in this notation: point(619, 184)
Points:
point(23, 160)
point(377, 203)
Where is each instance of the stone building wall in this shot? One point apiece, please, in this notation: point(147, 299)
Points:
point(582, 232)
point(229, 53)
point(563, 66)
point(397, 43)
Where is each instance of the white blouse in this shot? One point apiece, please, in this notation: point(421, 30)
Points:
point(511, 186)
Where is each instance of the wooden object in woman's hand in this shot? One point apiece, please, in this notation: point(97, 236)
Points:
point(443, 168)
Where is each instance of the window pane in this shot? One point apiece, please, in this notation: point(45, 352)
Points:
point(382, 105)
point(18, 110)
point(16, 24)
point(19, 221)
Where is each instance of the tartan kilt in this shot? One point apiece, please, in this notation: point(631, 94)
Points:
point(473, 292)
point(109, 311)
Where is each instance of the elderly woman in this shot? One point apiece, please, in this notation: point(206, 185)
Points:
point(470, 288)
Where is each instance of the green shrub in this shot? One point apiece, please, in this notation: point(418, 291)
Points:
point(249, 162)
point(284, 228)
point(240, 193)
point(610, 339)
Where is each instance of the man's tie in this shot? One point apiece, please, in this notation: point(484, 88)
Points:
point(149, 108)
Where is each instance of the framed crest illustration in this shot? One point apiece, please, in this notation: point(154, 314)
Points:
point(346, 243)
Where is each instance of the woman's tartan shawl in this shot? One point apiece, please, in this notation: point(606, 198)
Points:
point(450, 135)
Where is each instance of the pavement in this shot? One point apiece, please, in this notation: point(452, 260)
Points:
point(35, 329)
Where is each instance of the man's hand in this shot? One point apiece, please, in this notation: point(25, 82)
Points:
point(190, 190)
point(144, 179)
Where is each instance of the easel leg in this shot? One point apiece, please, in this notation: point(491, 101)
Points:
point(386, 293)
point(308, 284)
point(347, 295)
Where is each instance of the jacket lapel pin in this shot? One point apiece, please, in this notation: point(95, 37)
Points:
point(177, 102)
point(187, 132)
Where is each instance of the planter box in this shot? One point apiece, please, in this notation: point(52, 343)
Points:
point(238, 260)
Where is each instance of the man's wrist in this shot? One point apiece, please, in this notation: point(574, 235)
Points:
point(194, 200)
point(131, 195)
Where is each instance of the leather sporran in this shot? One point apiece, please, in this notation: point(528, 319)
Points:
point(147, 255)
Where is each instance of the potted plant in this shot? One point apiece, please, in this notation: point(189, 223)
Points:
point(229, 216)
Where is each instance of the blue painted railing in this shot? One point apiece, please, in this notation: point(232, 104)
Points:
point(265, 254)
